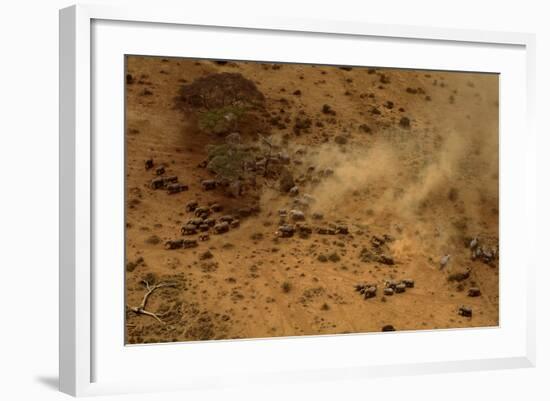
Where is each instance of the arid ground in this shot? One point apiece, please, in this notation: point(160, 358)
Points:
point(269, 200)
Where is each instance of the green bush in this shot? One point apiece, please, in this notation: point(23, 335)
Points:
point(221, 120)
point(227, 160)
point(286, 287)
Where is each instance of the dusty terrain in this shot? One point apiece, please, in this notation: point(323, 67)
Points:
point(393, 169)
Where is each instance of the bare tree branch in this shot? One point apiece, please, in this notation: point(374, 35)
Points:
point(140, 309)
point(268, 142)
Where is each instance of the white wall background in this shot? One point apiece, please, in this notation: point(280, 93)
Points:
point(29, 196)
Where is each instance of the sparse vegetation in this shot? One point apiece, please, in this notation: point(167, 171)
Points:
point(322, 258)
point(206, 255)
point(286, 286)
point(257, 237)
point(153, 240)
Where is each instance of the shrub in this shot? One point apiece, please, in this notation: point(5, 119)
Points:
point(286, 287)
point(334, 257)
point(227, 160)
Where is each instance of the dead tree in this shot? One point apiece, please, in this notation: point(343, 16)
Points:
point(140, 309)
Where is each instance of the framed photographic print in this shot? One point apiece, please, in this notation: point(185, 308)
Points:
point(292, 200)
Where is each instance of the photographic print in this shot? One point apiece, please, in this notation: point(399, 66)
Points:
point(269, 199)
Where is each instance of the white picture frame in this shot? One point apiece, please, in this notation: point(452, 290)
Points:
point(90, 362)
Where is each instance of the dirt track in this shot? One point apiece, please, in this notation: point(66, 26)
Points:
point(429, 188)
